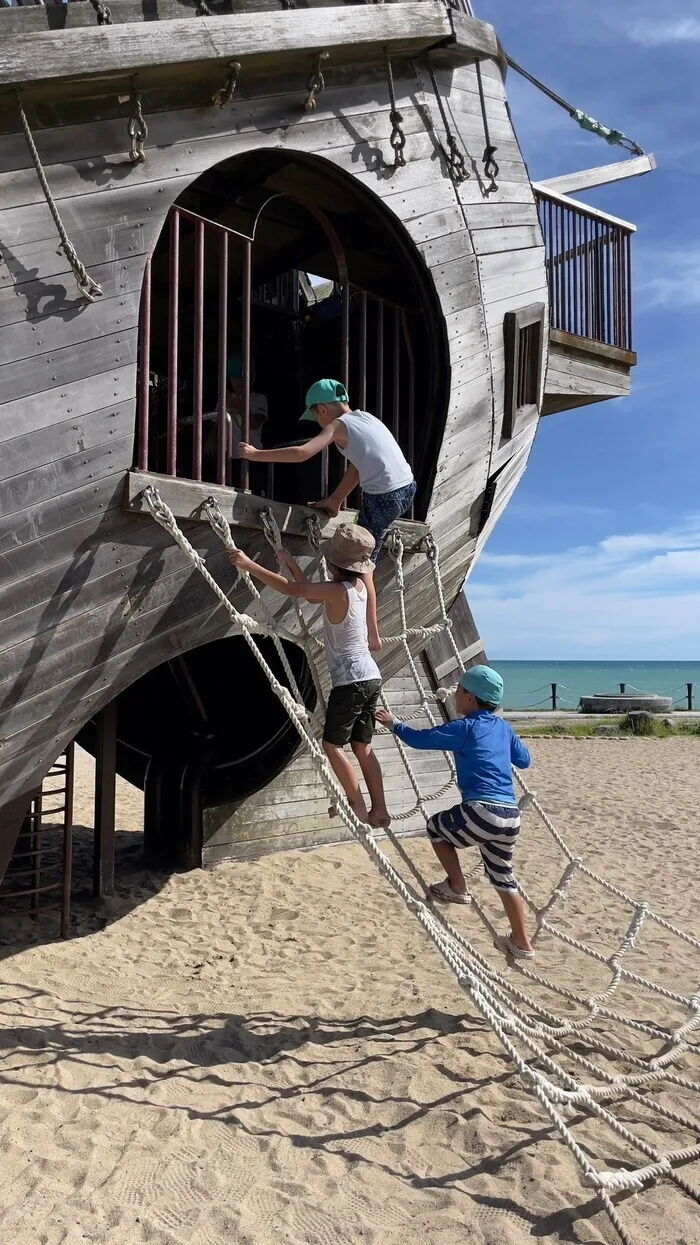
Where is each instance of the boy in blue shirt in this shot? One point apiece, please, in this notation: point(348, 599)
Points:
point(485, 748)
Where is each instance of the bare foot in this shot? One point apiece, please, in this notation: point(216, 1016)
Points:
point(379, 817)
point(359, 810)
point(375, 642)
point(329, 507)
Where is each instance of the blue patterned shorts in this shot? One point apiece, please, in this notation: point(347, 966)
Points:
point(378, 511)
point(493, 828)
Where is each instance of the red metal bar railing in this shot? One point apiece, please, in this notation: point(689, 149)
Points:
point(173, 338)
point(245, 417)
point(198, 350)
point(588, 255)
point(195, 275)
point(144, 368)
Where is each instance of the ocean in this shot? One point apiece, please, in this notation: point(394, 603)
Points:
point(528, 683)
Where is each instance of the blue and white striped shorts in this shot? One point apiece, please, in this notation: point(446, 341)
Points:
point(493, 828)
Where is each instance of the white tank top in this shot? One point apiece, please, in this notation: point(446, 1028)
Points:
point(378, 457)
point(347, 647)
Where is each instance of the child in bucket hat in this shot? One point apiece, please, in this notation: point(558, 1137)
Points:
point(355, 677)
point(485, 748)
point(375, 462)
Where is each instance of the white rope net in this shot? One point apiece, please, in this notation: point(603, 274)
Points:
point(582, 1057)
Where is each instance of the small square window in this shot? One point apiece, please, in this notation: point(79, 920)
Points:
point(523, 338)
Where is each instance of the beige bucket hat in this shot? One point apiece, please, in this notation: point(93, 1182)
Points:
point(350, 548)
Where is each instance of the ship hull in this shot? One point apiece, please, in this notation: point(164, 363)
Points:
point(95, 595)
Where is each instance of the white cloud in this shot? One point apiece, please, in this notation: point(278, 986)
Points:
point(654, 34)
point(668, 277)
point(627, 597)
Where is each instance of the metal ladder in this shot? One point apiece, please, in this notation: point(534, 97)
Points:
point(38, 877)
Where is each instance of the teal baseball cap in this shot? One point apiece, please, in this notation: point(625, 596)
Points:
point(484, 682)
point(324, 391)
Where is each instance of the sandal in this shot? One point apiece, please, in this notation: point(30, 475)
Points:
point(519, 952)
point(443, 892)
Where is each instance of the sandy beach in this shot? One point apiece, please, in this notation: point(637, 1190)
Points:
point(273, 1052)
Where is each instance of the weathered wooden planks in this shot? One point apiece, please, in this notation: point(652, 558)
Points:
point(113, 597)
point(114, 49)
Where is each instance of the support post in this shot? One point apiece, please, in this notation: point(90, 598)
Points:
point(689, 689)
point(105, 792)
point(68, 841)
point(554, 695)
point(623, 688)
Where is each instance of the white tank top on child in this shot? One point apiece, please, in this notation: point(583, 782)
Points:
point(373, 450)
point(347, 648)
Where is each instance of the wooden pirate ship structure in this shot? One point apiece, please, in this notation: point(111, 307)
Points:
point(333, 189)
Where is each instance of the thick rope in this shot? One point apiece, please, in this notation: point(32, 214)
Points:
point(397, 138)
point(453, 154)
point(516, 1019)
point(88, 288)
point(317, 83)
point(225, 94)
point(488, 159)
point(615, 137)
point(137, 129)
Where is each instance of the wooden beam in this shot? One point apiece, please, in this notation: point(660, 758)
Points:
point(602, 175)
point(557, 197)
point(113, 50)
point(452, 665)
point(186, 499)
point(588, 345)
point(105, 794)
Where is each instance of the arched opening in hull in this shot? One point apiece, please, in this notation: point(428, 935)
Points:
point(198, 730)
point(275, 269)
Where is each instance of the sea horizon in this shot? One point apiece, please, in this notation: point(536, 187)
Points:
point(528, 682)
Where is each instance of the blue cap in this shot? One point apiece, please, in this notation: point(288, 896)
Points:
point(324, 391)
point(484, 682)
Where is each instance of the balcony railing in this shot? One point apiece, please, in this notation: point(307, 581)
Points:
point(588, 256)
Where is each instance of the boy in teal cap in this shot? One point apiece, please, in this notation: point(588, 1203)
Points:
point(375, 462)
point(485, 748)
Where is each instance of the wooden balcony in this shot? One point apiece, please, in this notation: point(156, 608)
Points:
point(589, 267)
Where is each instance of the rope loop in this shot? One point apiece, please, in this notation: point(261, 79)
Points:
point(88, 288)
point(271, 531)
point(317, 83)
point(488, 159)
point(397, 138)
point(453, 155)
point(104, 17)
point(313, 527)
point(225, 94)
point(138, 130)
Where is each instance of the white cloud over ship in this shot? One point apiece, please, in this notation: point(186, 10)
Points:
point(634, 596)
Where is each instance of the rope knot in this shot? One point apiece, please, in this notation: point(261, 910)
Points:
point(137, 129)
point(224, 95)
point(317, 83)
point(397, 138)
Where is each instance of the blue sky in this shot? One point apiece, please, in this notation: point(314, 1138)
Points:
point(598, 554)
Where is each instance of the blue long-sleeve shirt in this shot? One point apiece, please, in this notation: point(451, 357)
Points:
point(485, 747)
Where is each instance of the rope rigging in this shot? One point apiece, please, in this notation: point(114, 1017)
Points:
point(317, 83)
point(397, 138)
point(615, 138)
point(488, 159)
point(137, 129)
point(88, 288)
point(453, 154)
point(531, 1034)
point(225, 93)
